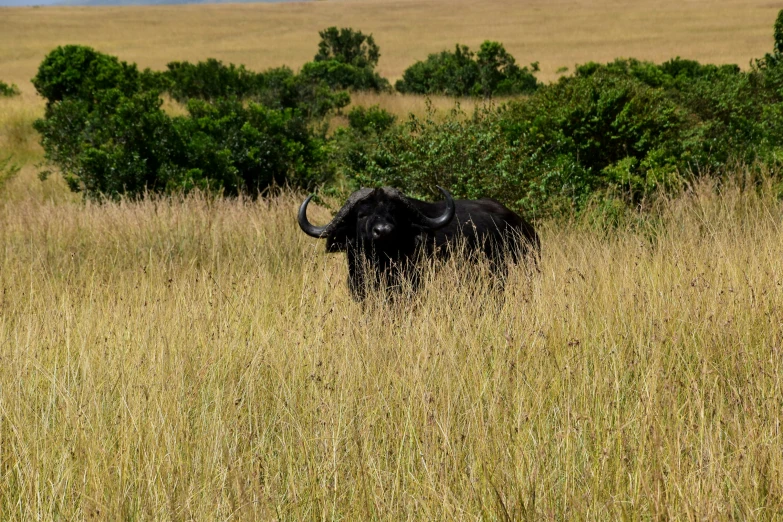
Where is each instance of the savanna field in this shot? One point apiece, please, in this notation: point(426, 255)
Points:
point(199, 358)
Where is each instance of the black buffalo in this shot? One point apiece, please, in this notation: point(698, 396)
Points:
point(385, 232)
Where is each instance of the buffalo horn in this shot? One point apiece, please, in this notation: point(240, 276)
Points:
point(443, 220)
point(308, 228)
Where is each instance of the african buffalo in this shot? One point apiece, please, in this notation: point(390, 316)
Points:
point(383, 233)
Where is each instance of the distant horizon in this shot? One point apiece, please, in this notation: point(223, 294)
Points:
point(97, 3)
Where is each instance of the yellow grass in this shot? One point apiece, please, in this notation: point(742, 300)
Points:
point(556, 33)
point(17, 135)
point(200, 359)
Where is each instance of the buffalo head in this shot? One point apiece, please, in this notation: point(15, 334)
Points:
point(380, 229)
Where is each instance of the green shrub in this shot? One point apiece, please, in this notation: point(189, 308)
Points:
point(246, 148)
point(210, 80)
point(111, 145)
point(346, 59)
point(731, 114)
point(609, 135)
point(339, 75)
point(363, 120)
point(775, 58)
point(623, 132)
point(452, 74)
point(352, 146)
point(109, 137)
point(76, 71)
point(277, 88)
point(493, 71)
point(629, 129)
point(8, 90)
point(347, 46)
point(544, 154)
point(129, 146)
point(500, 75)
point(472, 156)
point(676, 73)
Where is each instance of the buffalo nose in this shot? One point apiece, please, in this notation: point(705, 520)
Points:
point(380, 230)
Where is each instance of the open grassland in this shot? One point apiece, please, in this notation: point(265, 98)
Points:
point(202, 359)
point(557, 33)
point(192, 358)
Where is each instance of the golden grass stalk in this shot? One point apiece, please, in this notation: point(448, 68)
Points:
point(201, 358)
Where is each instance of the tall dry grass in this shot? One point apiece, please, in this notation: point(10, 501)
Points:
point(17, 136)
point(202, 359)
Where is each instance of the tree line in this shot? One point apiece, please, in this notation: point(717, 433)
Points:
point(617, 133)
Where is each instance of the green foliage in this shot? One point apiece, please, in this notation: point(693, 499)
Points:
point(346, 59)
point(492, 71)
point(547, 153)
point(109, 136)
point(472, 156)
point(76, 71)
point(774, 60)
point(210, 80)
point(622, 132)
point(731, 115)
point(113, 145)
point(364, 120)
point(452, 74)
point(349, 47)
point(246, 148)
point(8, 90)
point(339, 75)
point(627, 130)
point(608, 136)
point(499, 74)
point(277, 88)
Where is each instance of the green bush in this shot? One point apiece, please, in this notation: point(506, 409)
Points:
point(346, 59)
point(609, 135)
point(492, 71)
point(472, 156)
point(775, 58)
point(347, 46)
point(500, 75)
point(76, 71)
point(363, 120)
point(622, 132)
point(452, 74)
point(129, 146)
point(626, 130)
point(545, 154)
point(246, 148)
point(277, 88)
point(111, 145)
point(352, 146)
point(210, 80)
point(109, 137)
point(339, 75)
point(732, 115)
point(8, 90)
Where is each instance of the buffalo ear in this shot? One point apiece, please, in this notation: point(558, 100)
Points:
point(339, 238)
point(341, 231)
